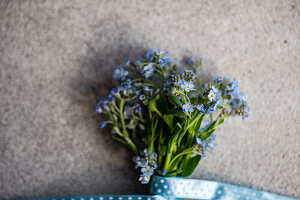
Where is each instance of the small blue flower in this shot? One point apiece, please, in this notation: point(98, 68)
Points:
point(126, 92)
point(110, 98)
point(149, 72)
point(208, 144)
point(218, 80)
point(144, 179)
point(139, 62)
point(152, 156)
point(147, 171)
point(187, 86)
point(120, 74)
point(150, 66)
point(155, 166)
point(201, 108)
point(164, 172)
point(162, 61)
point(143, 162)
point(102, 124)
point(98, 109)
point(105, 106)
point(142, 97)
point(127, 83)
point(214, 94)
point(178, 83)
point(115, 91)
point(187, 107)
point(149, 55)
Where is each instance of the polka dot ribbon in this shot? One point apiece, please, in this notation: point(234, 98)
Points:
point(176, 188)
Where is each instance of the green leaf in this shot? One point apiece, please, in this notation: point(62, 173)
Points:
point(198, 123)
point(174, 136)
point(190, 165)
point(152, 105)
point(177, 112)
point(173, 173)
point(221, 121)
point(192, 124)
point(174, 100)
point(176, 162)
point(204, 135)
point(169, 120)
point(182, 134)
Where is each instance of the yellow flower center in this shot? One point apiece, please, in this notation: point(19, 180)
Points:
point(188, 87)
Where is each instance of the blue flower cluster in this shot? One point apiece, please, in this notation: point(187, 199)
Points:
point(207, 145)
point(147, 163)
point(231, 92)
point(162, 107)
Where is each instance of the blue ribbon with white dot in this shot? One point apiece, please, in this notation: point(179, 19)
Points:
point(176, 188)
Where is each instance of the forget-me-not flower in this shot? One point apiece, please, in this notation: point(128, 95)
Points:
point(102, 124)
point(187, 86)
point(120, 74)
point(147, 171)
point(201, 108)
point(187, 107)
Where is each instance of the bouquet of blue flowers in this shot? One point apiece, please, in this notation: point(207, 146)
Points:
point(166, 115)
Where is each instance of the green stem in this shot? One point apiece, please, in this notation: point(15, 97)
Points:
point(124, 130)
point(187, 151)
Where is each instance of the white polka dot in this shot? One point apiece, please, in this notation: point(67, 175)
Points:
point(111, 198)
point(238, 196)
point(120, 198)
point(169, 192)
point(91, 198)
point(234, 190)
point(247, 197)
point(129, 198)
point(162, 180)
point(139, 198)
point(81, 198)
point(101, 198)
point(244, 191)
point(254, 194)
point(225, 188)
point(165, 186)
point(159, 190)
point(219, 192)
point(155, 185)
point(72, 199)
point(148, 198)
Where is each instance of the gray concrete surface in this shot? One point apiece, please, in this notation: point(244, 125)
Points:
point(56, 58)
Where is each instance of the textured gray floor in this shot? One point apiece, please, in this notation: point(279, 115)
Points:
point(56, 59)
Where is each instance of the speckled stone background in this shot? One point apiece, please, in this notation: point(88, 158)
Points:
point(57, 57)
